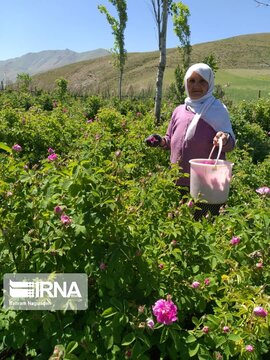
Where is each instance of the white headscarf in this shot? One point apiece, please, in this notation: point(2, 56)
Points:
point(207, 107)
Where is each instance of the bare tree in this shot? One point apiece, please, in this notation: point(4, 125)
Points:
point(161, 11)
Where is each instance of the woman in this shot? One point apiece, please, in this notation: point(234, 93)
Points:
point(196, 125)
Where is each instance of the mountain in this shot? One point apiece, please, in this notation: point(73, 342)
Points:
point(34, 63)
point(246, 52)
point(243, 62)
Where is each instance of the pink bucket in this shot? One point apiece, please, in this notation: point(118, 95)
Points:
point(210, 179)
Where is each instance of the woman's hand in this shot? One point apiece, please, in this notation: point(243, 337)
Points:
point(221, 135)
point(154, 140)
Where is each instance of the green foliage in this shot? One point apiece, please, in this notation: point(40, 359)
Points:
point(62, 85)
point(93, 104)
point(137, 107)
point(176, 90)
point(118, 30)
point(251, 124)
point(24, 80)
point(212, 62)
point(36, 130)
point(132, 234)
point(181, 28)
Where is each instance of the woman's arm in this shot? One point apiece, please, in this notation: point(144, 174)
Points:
point(228, 142)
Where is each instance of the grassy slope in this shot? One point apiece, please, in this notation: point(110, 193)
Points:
point(244, 84)
point(242, 60)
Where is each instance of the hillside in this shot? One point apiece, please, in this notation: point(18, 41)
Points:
point(250, 52)
point(33, 63)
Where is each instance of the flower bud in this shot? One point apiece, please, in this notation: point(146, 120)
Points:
point(205, 329)
point(195, 284)
point(226, 329)
point(235, 240)
point(249, 348)
point(260, 311)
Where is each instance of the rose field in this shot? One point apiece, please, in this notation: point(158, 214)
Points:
point(82, 193)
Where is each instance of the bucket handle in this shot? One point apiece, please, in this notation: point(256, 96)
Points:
point(219, 150)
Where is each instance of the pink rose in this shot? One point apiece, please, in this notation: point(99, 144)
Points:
point(51, 151)
point(165, 311)
point(249, 348)
point(66, 220)
point(264, 190)
point(235, 240)
point(52, 157)
point(150, 323)
point(102, 266)
point(260, 312)
point(17, 148)
point(58, 210)
point(195, 284)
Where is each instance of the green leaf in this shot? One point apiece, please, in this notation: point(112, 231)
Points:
point(204, 354)
point(164, 335)
point(109, 312)
point(195, 320)
point(228, 350)
point(128, 339)
point(234, 337)
point(3, 146)
point(110, 283)
point(220, 342)
point(117, 304)
point(109, 340)
point(71, 347)
point(80, 229)
point(137, 350)
point(190, 339)
point(176, 337)
point(195, 269)
point(214, 320)
point(193, 349)
point(214, 263)
point(145, 340)
point(71, 357)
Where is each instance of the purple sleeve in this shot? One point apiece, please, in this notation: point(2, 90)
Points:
point(169, 134)
point(229, 146)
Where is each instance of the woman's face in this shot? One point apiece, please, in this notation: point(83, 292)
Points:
point(197, 86)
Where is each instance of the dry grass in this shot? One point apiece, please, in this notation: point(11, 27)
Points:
point(242, 58)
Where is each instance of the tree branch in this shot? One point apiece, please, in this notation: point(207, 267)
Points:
point(262, 3)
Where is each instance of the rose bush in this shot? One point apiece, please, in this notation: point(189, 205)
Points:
point(161, 285)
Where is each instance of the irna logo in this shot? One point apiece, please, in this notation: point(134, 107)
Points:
point(45, 291)
point(18, 289)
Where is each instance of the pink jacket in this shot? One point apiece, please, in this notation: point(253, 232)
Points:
point(199, 146)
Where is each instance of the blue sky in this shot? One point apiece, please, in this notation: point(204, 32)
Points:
point(36, 25)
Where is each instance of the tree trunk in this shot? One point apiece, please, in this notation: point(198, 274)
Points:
point(120, 84)
point(162, 61)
